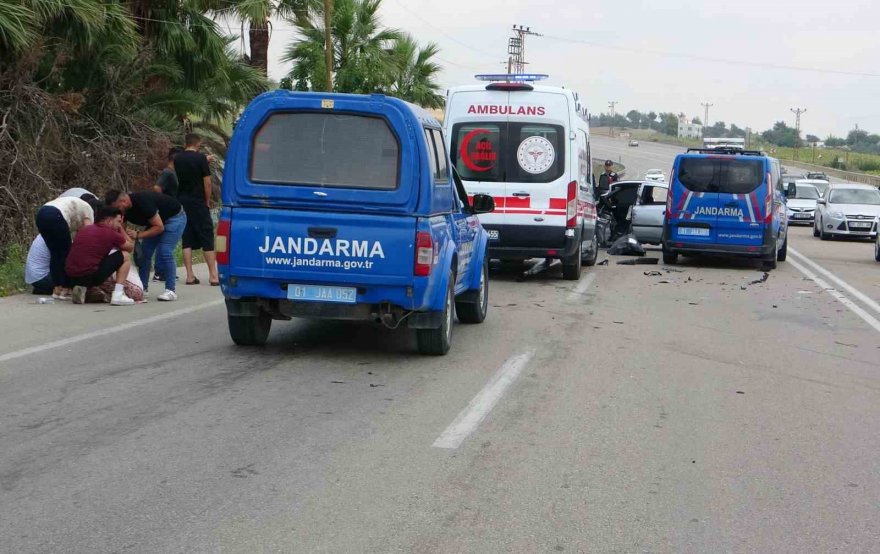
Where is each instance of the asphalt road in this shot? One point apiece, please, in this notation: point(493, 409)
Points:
point(695, 411)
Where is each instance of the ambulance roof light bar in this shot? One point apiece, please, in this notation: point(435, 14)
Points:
point(511, 77)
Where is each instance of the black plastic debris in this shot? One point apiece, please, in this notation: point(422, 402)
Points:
point(672, 270)
point(603, 262)
point(653, 273)
point(763, 279)
point(639, 261)
point(626, 245)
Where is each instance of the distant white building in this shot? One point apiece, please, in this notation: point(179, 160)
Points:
point(689, 130)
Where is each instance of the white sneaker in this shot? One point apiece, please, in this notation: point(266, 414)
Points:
point(168, 296)
point(121, 299)
point(79, 295)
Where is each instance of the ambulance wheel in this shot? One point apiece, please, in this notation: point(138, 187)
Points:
point(436, 342)
point(783, 252)
point(571, 266)
point(591, 258)
point(473, 306)
point(250, 330)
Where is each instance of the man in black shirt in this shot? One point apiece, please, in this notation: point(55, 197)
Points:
point(164, 220)
point(167, 184)
point(194, 177)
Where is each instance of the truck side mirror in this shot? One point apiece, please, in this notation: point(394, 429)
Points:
point(483, 204)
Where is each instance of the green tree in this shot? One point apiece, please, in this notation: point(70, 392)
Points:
point(669, 124)
point(634, 117)
point(415, 73)
point(652, 118)
point(812, 139)
point(781, 135)
point(362, 48)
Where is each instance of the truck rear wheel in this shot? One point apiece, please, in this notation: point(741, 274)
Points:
point(436, 342)
point(250, 330)
point(473, 305)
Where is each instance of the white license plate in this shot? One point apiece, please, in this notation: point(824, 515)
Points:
point(693, 231)
point(494, 234)
point(860, 224)
point(802, 216)
point(317, 293)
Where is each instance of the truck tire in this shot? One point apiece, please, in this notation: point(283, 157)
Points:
point(472, 306)
point(250, 330)
point(594, 248)
point(436, 342)
point(571, 266)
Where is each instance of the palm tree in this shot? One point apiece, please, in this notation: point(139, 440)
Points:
point(257, 14)
point(414, 79)
point(362, 60)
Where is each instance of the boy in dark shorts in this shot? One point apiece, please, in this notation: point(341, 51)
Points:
point(90, 262)
point(194, 179)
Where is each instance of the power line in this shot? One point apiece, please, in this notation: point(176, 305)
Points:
point(797, 129)
point(712, 60)
point(442, 32)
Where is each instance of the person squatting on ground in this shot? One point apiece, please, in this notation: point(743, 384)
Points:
point(164, 220)
point(58, 221)
point(194, 177)
point(36, 268)
point(91, 261)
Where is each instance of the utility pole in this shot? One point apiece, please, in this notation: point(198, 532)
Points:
point(328, 43)
point(797, 129)
point(706, 105)
point(516, 49)
point(611, 105)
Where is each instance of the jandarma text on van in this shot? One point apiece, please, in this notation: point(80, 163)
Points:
point(324, 247)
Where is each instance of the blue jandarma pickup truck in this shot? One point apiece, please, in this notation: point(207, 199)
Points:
point(343, 206)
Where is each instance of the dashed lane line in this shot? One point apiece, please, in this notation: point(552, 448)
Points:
point(470, 418)
point(868, 301)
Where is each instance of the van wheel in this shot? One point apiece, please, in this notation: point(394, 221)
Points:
point(594, 252)
point(670, 258)
point(436, 342)
point(474, 305)
point(783, 252)
point(571, 267)
point(250, 330)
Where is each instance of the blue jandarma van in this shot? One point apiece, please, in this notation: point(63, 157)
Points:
point(342, 206)
point(726, 201)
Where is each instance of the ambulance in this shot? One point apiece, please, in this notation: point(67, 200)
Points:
point(528, 146)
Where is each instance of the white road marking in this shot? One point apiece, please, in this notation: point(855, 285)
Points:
point(868, 301)
point(582, 287)
point(103, 332)
point(837, 295)
point(475, 412)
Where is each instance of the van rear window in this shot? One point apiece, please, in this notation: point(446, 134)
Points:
point(732, 176)
point(508, 152)
point(326, 149)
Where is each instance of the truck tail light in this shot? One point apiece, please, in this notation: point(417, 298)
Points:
point(424, 254)
point(221, 242)
point(571, 205)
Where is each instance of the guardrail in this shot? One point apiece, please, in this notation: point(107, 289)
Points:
point(850, 176)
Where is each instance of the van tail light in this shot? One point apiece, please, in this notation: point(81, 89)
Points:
point(571, 205)
point(768, 200)
point(221, 242)
point(669, 194)
point(424, 254)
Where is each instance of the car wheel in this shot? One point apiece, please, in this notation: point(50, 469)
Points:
point(250, 330)
point(877, 248)
point(782, 253)
point(571, 266)
point(822, 234)
point(594, 251)
point(473, 306)
point(815, 227)
point(436, 342)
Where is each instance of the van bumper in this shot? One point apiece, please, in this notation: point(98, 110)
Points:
point(763, 251)
point(528, 252)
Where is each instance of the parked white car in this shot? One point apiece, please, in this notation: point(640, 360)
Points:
point(847, 209)
point(655, 175)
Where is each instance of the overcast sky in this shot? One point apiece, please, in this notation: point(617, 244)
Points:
point(649, 57)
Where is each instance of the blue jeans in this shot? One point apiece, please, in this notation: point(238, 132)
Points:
point(162, 246)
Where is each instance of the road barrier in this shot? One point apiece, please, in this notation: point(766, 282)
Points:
point(850, 176)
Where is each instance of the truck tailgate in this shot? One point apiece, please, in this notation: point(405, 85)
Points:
point(299, 246)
